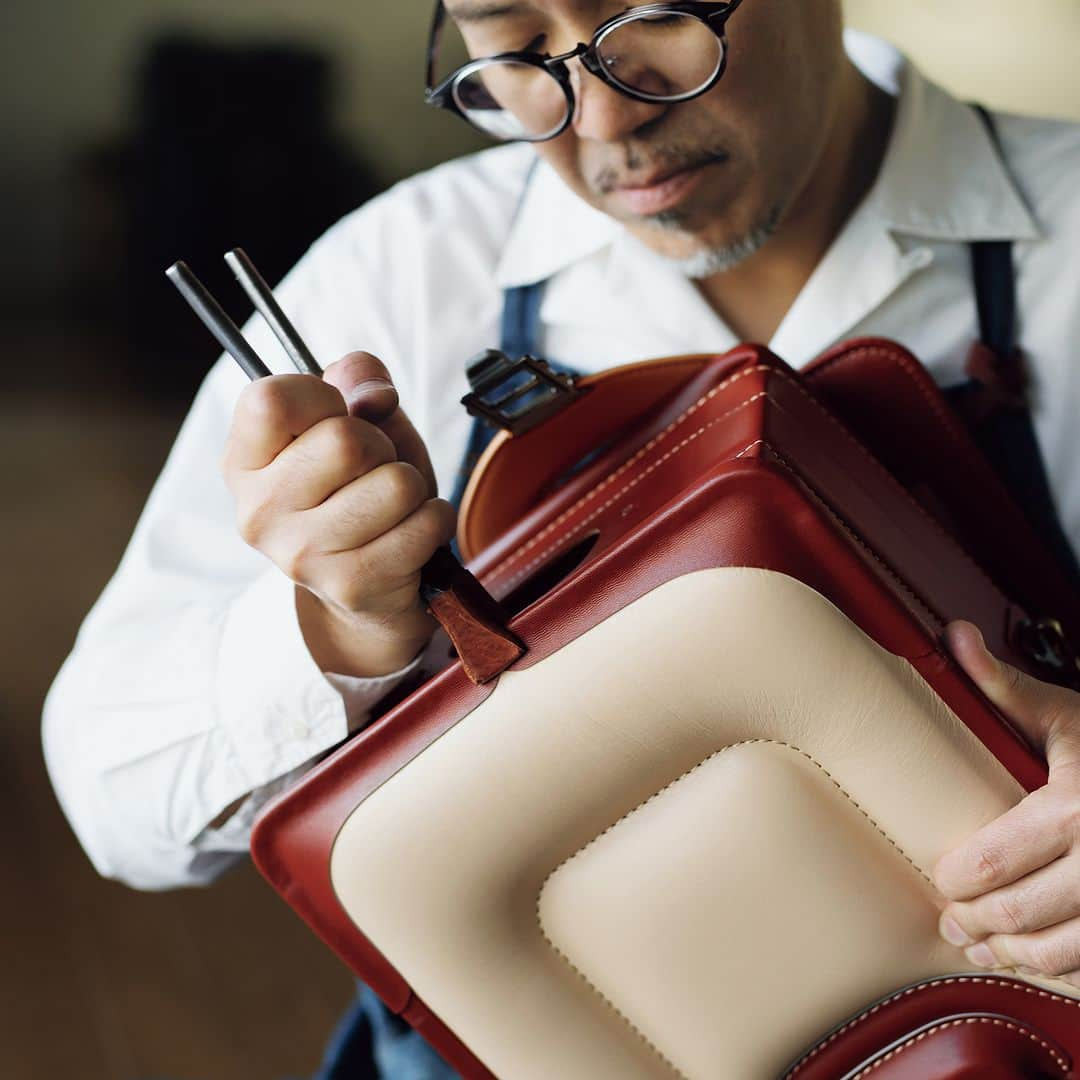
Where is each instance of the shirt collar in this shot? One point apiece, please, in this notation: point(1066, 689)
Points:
point(553, 229)
point(942, 178)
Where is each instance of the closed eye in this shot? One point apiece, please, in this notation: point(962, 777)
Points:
point(536, 44)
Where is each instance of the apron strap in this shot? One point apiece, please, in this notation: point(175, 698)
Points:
point(993, 401)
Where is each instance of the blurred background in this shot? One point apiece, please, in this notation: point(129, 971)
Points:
point(135, 132)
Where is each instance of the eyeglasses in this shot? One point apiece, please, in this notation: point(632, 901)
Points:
point(662, 53)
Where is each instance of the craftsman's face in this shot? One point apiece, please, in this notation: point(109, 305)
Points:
point(735, 159)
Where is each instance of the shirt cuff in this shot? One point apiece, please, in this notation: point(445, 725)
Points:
point(361, 695)
point(278, 709)
point(281, 712)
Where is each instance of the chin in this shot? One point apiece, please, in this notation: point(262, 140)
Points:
point(713, 250)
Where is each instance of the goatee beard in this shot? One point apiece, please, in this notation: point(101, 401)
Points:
point(717, 260)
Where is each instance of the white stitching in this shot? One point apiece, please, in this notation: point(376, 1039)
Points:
point(942, 415)
point(956, 1023)
point(747, 742)
point(842, 524)
point(501, 567)
point(932, 984)
point(524, 571)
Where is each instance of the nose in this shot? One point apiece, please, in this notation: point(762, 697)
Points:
point(601, 113)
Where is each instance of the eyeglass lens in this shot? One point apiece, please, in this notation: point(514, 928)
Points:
point(663, 57)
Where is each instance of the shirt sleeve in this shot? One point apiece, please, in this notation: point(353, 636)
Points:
point(190, 686)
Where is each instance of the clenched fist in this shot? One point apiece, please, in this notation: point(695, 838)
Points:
point(334, 485)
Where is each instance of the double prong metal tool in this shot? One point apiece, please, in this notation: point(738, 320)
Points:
point(471, 617)
point(227, 332)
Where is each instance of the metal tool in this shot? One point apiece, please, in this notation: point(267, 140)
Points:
point(471, 616)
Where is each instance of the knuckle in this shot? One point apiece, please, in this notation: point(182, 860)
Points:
point(1053, 956)
point(265, 404)
point(339, 441)
point(354, 445)
point(1009, 915)
point(357, 586)
point(253, 523)
point(989, 864)
point(298, 561)
point(421, 533)
point(436, 523)
point(404, 487)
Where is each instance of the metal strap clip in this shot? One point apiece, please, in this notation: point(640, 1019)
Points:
point(1046, 642)
point(498, 383)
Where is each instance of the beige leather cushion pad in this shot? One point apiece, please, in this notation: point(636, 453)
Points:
point(688, 843)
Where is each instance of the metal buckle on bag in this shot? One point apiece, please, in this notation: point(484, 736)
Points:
point(498, 383)
point(1045, 641)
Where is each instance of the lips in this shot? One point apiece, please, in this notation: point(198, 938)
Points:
point(661, 190)
point(653, 198)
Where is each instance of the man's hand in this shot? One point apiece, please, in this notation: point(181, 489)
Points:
point(334, 485)
point(1015, 885)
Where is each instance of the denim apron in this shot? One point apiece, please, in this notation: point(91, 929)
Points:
point(370, 1041)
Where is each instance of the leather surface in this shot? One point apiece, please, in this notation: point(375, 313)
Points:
point(515, 473)
point(751, 490)
point(884, 396)
point(1047, 1024)
point(867, 781)
point(970, 1048)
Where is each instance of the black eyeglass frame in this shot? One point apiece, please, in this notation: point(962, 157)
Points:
point(713, 15)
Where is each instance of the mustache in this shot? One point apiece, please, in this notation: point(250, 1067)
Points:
point(669, 159)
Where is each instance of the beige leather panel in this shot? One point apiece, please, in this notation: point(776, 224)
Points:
point(761, 848)
point(445, 865)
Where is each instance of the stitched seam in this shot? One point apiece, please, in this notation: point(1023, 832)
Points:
point(842, 524)
point(579, 527)
point(989, 980)
point(501, 568)
point(885, 472)
point(906, 367)
point(610, 1004)
point(484, 479)
point(608, 480)
point(656, 794)
point(957, 1023)
point(939, 412)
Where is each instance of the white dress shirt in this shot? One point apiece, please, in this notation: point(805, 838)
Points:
point(190, 685)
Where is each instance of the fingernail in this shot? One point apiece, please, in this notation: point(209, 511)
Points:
point(952, 933)
point(1024, 970)
point(981, 955)
point(369, 386)
point(363, 390)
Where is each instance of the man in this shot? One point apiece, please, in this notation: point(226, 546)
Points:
point(665, 210)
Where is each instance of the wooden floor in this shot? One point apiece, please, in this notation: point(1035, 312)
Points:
point(100, 982)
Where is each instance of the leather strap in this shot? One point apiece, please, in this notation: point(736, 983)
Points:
point(994, 403)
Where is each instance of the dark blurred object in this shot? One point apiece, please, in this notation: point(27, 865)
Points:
point(232, 146)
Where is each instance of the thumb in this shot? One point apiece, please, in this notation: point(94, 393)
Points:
point(1047, 714)
point(366, 386)
point(370, 394)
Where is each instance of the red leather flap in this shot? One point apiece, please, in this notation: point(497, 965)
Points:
point(959, 1028)
point(518, 472)
point(970, 1048)
point(890, 402)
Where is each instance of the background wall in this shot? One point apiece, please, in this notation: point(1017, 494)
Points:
point(68, 67)
point(101, 982)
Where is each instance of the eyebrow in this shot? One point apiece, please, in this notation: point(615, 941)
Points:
point(475, 13)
